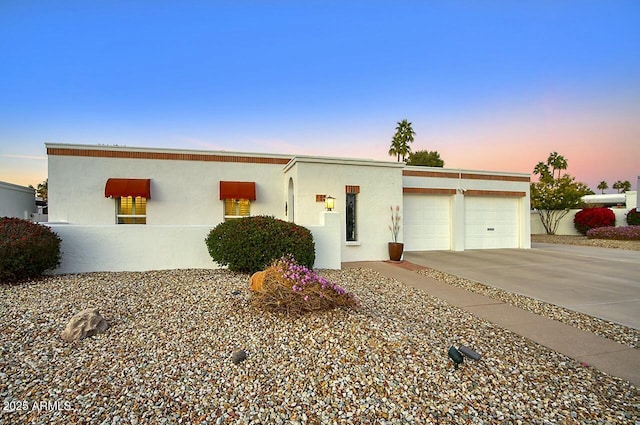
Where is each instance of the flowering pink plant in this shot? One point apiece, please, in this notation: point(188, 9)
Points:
point(395, 223)
point(294, 288)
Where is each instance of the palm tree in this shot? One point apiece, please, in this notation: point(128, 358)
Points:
point(556, 162)
point(542, 169)
point(622, 186)
point(603, 186)
point(400, 142)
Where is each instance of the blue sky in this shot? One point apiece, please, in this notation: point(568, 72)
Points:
point(493, 85)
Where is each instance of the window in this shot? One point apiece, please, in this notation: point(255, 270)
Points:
point(131, 210)
point(236, 208)
point(352, 230)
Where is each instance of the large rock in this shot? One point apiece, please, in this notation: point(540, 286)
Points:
point(86, 323)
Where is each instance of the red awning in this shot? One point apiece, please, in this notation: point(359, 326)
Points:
point(128, 187)
point(238, 190)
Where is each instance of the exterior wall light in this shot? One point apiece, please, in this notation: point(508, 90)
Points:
point(329, 203)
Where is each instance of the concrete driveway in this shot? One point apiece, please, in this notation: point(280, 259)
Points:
point(600, 282)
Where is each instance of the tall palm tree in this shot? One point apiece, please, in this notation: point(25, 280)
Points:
point(556, 162)
point(603, 186)
point(400, 142)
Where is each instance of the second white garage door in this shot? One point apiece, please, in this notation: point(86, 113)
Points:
point(491, 222)
point(427, 222)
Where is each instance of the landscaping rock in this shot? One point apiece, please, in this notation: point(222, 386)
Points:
point(84, 324)
point(238, 356)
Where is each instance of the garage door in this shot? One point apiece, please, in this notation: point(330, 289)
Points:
point(490, 222)
point(426, 221)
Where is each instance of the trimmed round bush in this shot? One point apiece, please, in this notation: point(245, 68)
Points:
point(633, 217)
point(626, 233)
point(591, 218)
point(26, 249)
point(251, 244)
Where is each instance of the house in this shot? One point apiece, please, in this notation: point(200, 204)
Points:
point(126, 208)
point(17, 201)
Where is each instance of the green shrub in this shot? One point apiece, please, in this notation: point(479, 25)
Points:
point(633, 217)
point(252, 243)
point(591, 218)
point(26, 249)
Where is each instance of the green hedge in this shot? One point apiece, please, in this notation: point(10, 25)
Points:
point(251, 244)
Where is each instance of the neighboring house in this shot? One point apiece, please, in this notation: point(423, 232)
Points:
point(17, 201)
point(124, 208)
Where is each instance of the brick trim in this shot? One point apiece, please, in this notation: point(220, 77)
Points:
point(499, 193)
point(470, 176)
point(166, 156)
point(428, 191)
point(352, 189)
point(413, 173)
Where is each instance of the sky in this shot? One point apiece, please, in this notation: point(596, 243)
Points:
point(489, 85)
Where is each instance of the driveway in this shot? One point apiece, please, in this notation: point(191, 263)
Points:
point(600, 282)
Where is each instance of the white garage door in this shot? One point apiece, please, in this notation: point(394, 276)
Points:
point(426, 221)
point(490, 222)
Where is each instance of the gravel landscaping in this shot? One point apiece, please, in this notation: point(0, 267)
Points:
point(614, 331)
point(584, 241)
point(167, 358)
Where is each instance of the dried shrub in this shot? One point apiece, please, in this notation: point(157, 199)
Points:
point(591, 218)
point(252, 243)
point(26, 249)
point(633, 217)
point(627, 233)
point(292, 288)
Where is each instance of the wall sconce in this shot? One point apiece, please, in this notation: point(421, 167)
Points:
point(329, 203)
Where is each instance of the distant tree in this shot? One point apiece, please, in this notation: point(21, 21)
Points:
point(542, 169)
point(425, 158)
point(554, 197)
point(602, 186)
point(622, 186)
point(401, 139)
point(43, 189)
point(556, 162)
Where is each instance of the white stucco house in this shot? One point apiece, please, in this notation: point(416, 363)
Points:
point(125, 208)
point(17, 201)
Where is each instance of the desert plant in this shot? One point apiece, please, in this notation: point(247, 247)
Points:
point(626, 233)
point(292, 288)
point(633, 217)
point(250, 244)
point(590, 218)
point(395, 223)
point(26, 249)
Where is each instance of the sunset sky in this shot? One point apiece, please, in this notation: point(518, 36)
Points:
point(490, 85)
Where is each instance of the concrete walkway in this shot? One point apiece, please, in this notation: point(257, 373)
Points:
point(603, 354)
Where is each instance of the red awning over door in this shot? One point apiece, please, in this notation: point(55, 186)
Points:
point(238, 190)
point(116, 188)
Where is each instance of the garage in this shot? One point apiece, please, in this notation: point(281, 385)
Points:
point(491, 222)
point(427, 222)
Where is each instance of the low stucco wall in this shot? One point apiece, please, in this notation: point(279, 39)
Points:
point(566, 226)
point(90, 248)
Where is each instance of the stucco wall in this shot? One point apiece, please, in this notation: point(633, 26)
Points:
point(380, 187)
point(17, 201)
point(182, 192)
point(566, 226)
